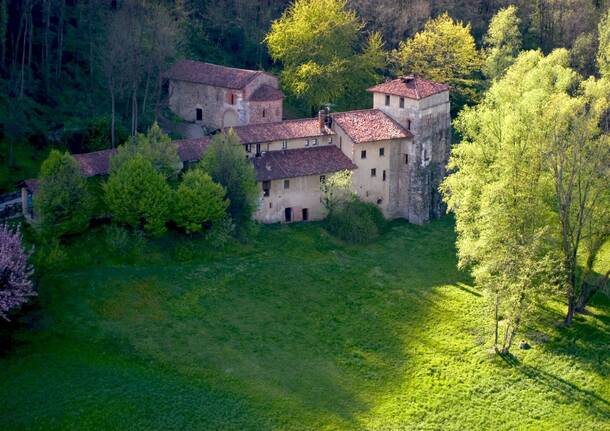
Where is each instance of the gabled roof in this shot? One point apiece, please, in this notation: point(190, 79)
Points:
point(95, 163)
point(211, 74)
point(369, 125)
point(411, 87)
point(301, 162)
point(190, 150)
point(280, 130)
point(266, 93)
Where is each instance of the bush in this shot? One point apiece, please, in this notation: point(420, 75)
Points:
point(355, 221)
point(137, 195)
point(124, 243)
point(62, 204)
point(15, 272)
point(199, 201)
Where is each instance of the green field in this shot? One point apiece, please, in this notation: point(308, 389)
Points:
point(292, 331)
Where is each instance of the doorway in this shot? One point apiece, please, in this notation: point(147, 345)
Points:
point(305, 212)
point(288, 215)
point(199, 114)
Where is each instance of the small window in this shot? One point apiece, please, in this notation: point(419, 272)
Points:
point(307, 142)
point(402, 102)
point(387, 100)
point(284, 145)
point(340, 141)
point(305, 213)
point(314, 142)
point(381, 152)
point(258, 150)
point(330, 140)
point(383, 175)
point(406, 159)
point(363, 154)
point(426, 157)
point(199, 114)
point(266, 188)
point(286, 184)
point(408, 124)
point(264, 112)
point(248, 148)
point(232, 99)
point(322, 178)
point(373, 172)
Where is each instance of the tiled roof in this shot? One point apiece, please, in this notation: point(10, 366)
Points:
point(275, 165)
point(411, 87)
point(369, 125)
point(280, 130)
point(192, 149)
point(266, 93)
point(95, 163)
point(211, 74)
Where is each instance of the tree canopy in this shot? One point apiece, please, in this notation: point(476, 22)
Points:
point(503, 42)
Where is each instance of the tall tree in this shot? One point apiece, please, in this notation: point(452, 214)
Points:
point(503, 42)
point(603, 53)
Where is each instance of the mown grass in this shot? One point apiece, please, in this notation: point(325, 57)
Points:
point(292, 331)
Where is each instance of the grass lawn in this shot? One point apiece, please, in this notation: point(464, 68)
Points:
point(292, 331)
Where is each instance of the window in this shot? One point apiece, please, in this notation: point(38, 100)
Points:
point(286, 184)
point(248, 148)
point(373, 172)
point(307, 142)
point(314, 142)
point(266, 188)
point(402, 102)
point(330, 140)
point(406, 159)
point(408, 124)
point(232, 99)
point(305, 212)
point(284, 145)
point(387, 100)
point(381, 152)
point(383, 175)
point(258, 150)
point(322, 178)
point(288, 214)
point(264, 113)
point(363, 154)
point(199, 114)
point(426, 157)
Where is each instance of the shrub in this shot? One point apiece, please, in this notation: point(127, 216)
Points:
point(137, 195)
point(225, 162)
point(199, 201)
point(355, 221)
point(124, 243)
point(62, 203)
point(15, 273)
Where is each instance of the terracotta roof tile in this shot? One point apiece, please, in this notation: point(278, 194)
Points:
point(301, 162)
point(95, 163)
point(211, 74)
point(191, 150)
point(369, 125)
point(266, 93)
point(280, 130)
point(411, 87)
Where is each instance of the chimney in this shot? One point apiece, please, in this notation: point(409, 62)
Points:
point(322, 120)
point(408, 78)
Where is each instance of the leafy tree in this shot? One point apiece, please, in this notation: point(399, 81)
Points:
point(582, 54)
point(355, 221)
point(503, 41)
point(16, 286)
point(138, 195)
point(336, 188)
point(603, 52)
point(62, 203)
point(443, 51)
point(199, 201)
point(224, 161)
point(315, 40)
point(154, 146)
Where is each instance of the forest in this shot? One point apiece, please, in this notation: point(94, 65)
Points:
point(70, 68)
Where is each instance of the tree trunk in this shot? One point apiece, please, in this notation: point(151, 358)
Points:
point(113, 115)
point(25, 35)
point(588, 290)
point(571, 309)
point(60, 39)
point(497, 306)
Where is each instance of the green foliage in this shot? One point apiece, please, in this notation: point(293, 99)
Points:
point(315, 40)
point(336, 188)
point(603, 53)
point(62, 204)
point(199, 202)
point(154, 146)
point(355, 221)
point(444, 51)
point(582, 54)
point(138, 195)
point(124, 243)
point(98, 133)
point(503, 41)
point(224, 161)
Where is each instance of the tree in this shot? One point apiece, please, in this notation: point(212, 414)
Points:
point(137, 195)
point(501, 186)
point(503, 42)
point(315, 40)
point(336, 188)
point(582, 54)
point(443, 51)
point(154, 146)
point(224, 161)
point(199, 201)
point(603, 51)
point(62, 203)
point(16, 286)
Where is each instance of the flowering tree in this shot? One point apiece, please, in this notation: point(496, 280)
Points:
point(15, 272)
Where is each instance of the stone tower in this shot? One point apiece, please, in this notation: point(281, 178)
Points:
point(423, 108)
